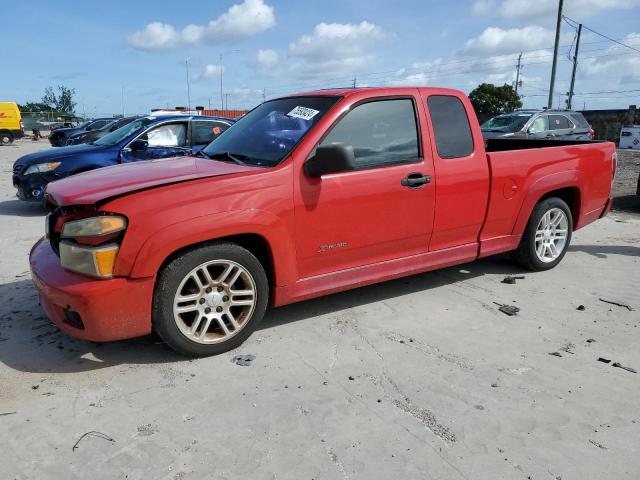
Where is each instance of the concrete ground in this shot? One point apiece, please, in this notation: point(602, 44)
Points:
point(421, 377)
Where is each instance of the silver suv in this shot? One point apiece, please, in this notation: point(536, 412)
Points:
point(539, 125)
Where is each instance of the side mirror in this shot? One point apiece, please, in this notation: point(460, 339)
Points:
point(139, 145)
point(332, 158)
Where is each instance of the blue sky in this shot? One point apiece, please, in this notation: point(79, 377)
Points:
point(99, 48)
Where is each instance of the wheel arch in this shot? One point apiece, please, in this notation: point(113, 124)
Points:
point(253, 242)
point(564, 185)
point(260, 232)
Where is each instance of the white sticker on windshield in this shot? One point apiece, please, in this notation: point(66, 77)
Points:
point(303, 113)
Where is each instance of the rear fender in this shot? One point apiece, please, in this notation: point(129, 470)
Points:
point(162, 244)
point(541, 187)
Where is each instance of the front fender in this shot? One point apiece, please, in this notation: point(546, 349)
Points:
point(544, 185)
point(160, 245)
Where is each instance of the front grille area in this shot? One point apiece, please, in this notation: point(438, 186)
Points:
point(73, 318)
point(18, 169)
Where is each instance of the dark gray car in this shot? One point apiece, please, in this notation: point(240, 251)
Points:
point(539, 125)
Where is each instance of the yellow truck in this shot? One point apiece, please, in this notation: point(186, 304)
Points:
point(11, 126)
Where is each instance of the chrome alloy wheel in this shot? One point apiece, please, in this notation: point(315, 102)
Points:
point(551, 235)
point(214, 301)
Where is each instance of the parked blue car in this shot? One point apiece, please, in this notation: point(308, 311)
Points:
point(146, 138)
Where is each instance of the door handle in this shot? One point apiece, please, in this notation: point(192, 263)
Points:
point(415, 180)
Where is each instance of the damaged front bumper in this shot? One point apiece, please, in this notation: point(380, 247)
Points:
point(91, 309)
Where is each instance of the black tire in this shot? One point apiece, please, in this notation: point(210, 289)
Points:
point(526, 254)
point(169, 280)
point(6, 138)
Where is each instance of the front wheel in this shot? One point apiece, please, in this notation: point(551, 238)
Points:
point(6, 138)
point(547, 236)
point(210, 299)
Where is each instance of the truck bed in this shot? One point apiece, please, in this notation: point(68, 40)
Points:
point(503, 144)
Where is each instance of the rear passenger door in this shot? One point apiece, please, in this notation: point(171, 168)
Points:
point(355, 218)
point(203, 132)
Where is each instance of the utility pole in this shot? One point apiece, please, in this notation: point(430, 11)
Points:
point(264, 95)
point(354, 82)
point(122, 98)
point(186, 62)
point(575, 65)
point(518, 72)
point(555, 55)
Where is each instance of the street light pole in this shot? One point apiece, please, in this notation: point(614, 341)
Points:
point(221, 75)
point(221, 90)
point(186, 62)
point(555, 55)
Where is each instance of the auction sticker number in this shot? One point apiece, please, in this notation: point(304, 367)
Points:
point(303, 113)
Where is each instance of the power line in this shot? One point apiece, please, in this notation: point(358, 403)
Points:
point(603, 35)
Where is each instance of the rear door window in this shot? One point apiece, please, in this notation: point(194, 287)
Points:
point(382, 132)
point(559, 122)
point(204, 132)
point(450, 126)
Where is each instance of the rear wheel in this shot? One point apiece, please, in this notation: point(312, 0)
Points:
point(210, 299)
point(6, 138)
point(547, 236)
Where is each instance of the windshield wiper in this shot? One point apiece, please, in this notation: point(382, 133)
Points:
point(201, 153)
point(234, 157)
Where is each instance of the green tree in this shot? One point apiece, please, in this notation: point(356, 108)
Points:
point(60, 102)
point(34, 107)
point(490, 99)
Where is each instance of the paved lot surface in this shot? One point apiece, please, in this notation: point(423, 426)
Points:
point(417, 378)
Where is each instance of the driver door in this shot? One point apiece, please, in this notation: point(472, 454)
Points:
point(369, 215)
point(163, 141)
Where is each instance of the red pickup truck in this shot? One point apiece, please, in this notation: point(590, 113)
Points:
point(306, 195)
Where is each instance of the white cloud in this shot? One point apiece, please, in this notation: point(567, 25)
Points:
point(547, 9)
point(335, 40)
point(266, 60)
point(208, 71)
point(495, 40)
point(335, 48)
point(155, 36)
point(240, 21)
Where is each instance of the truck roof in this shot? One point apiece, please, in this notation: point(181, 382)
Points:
point(345, 92)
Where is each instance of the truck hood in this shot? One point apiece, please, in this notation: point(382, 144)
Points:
point(97, 185)
point(56, 154)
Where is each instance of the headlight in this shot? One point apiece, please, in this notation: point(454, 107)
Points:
point(94, 226)
point(93, 261)
point(90, 245)
point(41, 167)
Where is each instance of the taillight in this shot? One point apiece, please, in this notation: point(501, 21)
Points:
point(614, 166)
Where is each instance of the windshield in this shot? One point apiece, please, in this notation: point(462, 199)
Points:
point(266, 135)
point(506, 123)
point(123, 132)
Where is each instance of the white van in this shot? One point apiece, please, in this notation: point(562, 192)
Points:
point(630, 137)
